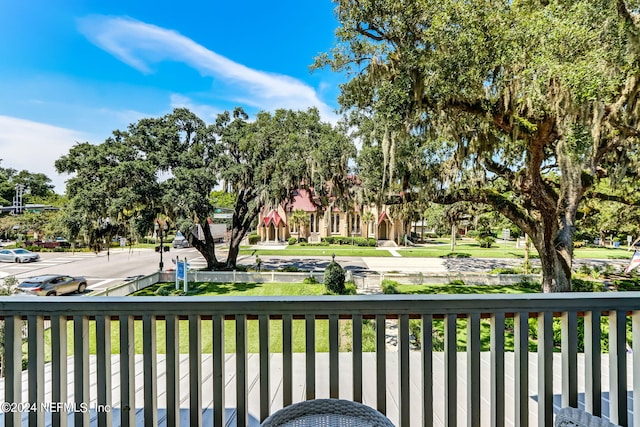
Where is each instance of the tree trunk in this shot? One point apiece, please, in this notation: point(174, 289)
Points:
point(453, 237)
point(555, 258)
point(234, 247)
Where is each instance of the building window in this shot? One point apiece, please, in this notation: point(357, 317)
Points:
point(335, 223)
point(312, 222)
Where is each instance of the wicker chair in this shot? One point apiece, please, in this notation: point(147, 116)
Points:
point(571, 417)
point(327, 412)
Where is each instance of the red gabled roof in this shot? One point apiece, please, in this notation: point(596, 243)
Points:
point(272, 216)
point(302, 201)
point(383, 215)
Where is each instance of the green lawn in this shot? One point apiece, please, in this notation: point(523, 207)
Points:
point(308, 251)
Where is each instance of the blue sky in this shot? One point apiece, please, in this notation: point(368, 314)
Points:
point(76, 70)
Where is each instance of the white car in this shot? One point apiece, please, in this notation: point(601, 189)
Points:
point(18, 255)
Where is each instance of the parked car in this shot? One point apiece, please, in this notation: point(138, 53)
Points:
point(53, 284)
point(18, 255)
point(181, 242)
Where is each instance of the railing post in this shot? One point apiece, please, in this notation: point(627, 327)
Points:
point(195, 371)
point(569, 334)
point(81, 368)
point(13, 368)
point(36, 368)
point(521, 367)
point(497, 370)
point(618, 368)
point(150, 368)
point(242, 386)
point(427, 369)
point(450, 370)
point(593, 363)
point(59, 392)
point(103, 369)
point(545, 368)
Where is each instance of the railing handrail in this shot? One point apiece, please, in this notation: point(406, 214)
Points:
point(326, 304)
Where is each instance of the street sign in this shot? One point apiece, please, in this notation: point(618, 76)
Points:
point(181, 270)
point(223, 215)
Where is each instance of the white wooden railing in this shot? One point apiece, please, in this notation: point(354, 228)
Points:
point(419, 391)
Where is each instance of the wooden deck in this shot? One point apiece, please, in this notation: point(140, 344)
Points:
point(322, 386)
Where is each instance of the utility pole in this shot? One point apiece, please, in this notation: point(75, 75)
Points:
point(18, 207)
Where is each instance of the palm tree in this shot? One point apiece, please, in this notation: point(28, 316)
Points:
point(367, 218)
point(301, 219)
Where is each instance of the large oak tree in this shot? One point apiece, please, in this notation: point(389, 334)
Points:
point(520, 105)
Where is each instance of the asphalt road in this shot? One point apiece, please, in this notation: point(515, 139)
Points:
point(103, 270)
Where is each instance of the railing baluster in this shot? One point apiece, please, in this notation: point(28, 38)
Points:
point(356, 326)
point(593, 363)
point(218, 371)
point(545, 368)
point(569, 334)
point(381, 363)
point(81, 368)
point(195, 371)
point(427, 370)
point(103, 369)
point(310, 338)
point(521, 368)
point(265, 391)
point(473, 369)
point(334, 376)
point(404, 396)
point(242, 379)
point(287, 360)
point(59, 392)
point(173, 370)
point(451, 371)
point(497, 370)
point(150, 374)
point(13, 368)
point(618, 368)
point(636, 366)
point(127, 372)
point(36, 368)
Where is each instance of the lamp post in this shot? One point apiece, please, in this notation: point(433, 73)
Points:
point(161, 228)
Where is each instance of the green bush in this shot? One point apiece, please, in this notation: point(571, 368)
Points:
point(457, 282)
point(350, 288)
point(302, 240)
point(292, 240)
point(290, 269)
point(486, 241)
point(311, 280)
point(456, 255)
point(328, 240)
point(390, 287)
point(334, 278)
point(253, 239)
point(580, 285)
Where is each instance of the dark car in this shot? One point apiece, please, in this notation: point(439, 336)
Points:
point(53, 284)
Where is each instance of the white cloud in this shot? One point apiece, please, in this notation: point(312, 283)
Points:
point(139, 45)
point(35, 146)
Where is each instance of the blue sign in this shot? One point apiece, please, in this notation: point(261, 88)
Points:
point(181, 270)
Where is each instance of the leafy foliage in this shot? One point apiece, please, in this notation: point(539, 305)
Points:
point(334, 278)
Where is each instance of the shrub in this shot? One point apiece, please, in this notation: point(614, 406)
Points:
point(350, 288)
point(506, 270)
point(456, 255)
point(290, 269)
point(302, 240)
point(334, 278)
point(165, 290)
point(390, 287)
point(457, 282)
point(579, 285)
point(311, 280)
point(253, 239)
point(328, 240)
point(486, 241)
point(292, 240)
